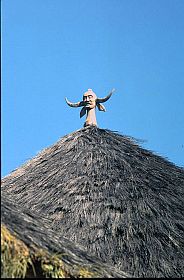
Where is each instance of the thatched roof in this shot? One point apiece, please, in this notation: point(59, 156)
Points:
point(30, 248)
point(122, 203)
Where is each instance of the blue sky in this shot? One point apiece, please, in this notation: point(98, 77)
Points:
point(57, 48)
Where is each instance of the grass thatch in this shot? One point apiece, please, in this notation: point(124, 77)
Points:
point(29, 248)
point(100, 189)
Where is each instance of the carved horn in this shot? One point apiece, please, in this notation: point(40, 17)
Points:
point(101, 100)
point(78, 104)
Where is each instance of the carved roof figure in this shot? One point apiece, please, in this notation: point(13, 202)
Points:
point(89, 103)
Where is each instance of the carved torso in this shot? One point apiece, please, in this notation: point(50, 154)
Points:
point(91, 117)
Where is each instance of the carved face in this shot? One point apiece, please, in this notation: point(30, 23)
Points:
point(89, 98)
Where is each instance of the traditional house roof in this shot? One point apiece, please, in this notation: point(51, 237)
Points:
point(31, 249)
point(103, 191)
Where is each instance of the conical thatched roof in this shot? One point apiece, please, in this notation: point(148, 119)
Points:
point(121, 202)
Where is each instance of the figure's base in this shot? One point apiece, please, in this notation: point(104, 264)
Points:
point(88, 124)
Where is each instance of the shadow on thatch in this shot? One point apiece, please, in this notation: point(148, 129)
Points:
point(29, 248)
point(122, 203)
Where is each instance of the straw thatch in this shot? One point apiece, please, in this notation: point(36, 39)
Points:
point(100, 189)
point(31, 249)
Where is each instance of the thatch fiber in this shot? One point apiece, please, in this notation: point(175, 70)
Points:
point(31, 249)
point(122, 203)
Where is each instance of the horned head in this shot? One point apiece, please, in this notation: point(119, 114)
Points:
point(89, 103)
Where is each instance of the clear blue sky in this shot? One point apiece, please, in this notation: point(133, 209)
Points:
point(57, 48)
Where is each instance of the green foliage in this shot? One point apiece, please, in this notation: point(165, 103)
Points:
point(14, 256)
point(51, 265)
